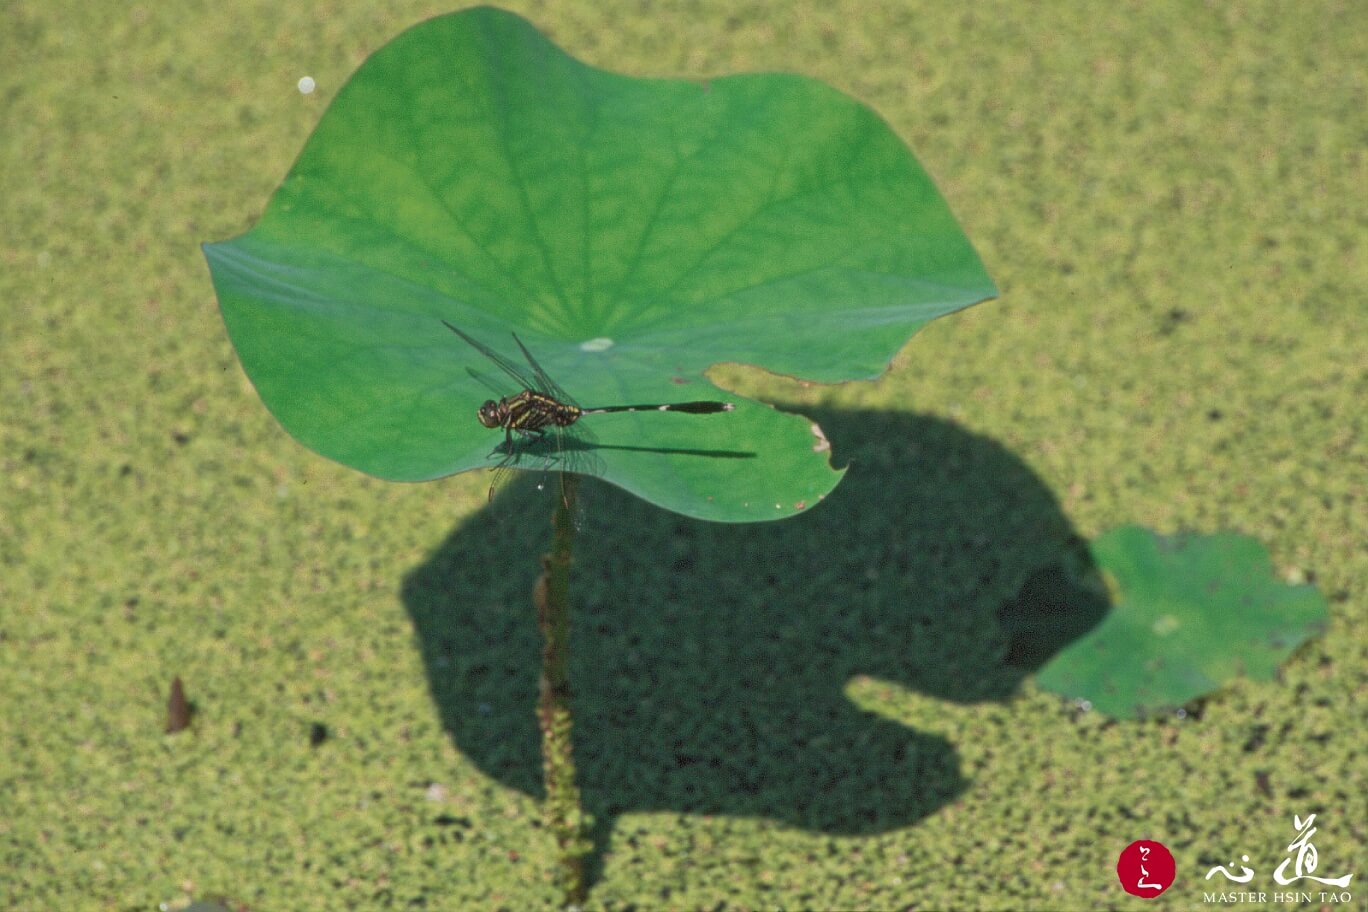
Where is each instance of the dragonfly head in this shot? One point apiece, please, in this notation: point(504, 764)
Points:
point(489, 414)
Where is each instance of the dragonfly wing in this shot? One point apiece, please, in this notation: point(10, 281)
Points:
point(487, 383)
point(507, 366)
point(500, 476)
point(545, 383)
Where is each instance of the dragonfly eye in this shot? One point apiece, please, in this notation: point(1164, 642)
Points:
point(489, 414)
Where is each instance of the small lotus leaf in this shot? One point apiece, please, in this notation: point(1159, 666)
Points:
point(1190, 613)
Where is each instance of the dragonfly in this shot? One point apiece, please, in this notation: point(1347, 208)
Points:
point(540, 415)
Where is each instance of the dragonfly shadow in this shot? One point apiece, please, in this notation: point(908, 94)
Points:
point(713, 664)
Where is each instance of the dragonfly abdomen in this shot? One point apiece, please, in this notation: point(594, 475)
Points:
point(693, 408)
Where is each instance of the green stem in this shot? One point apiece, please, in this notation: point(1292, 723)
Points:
point(564, 815)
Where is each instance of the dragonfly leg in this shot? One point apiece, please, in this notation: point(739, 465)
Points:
point(507, 445)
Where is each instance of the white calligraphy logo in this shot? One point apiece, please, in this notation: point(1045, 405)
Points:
point(1140, 883)
point(1245, 877)
point(1306, 859)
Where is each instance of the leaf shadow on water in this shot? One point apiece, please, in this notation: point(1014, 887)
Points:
point(709, 661)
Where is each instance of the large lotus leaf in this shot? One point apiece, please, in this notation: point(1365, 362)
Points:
point(1189, 614)
point(632, 232)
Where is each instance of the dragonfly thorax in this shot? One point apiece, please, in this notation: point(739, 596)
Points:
point(528, 411)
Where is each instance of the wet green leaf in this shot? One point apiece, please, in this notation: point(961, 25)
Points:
point(633, 232)
point(1190, 613)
